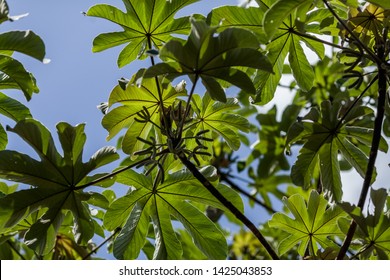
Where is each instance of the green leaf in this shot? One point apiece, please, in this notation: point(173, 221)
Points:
point(373, 228)
point(211, 57)
point(146, 24)
point(324, 135)
point(175, 197)
point(167, 245)
point(233, 16)
point(302, 172)
point(300, 66)
point(205, 234)
point(354, 156)
point(26, 42)
point(265, 82)
point(330, 171)
point(15, 76)
point(135, 99)
point(277, 13)
point(3, 138)
point(286, 38)
point(7, 189)
point(314, 222)
point(131, 238)
point(13, 109)
point(217, 117)
point(56, 180)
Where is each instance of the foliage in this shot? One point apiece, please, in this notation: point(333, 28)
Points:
point(192, 149)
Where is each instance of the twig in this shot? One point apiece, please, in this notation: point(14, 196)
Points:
point(233, 209)
point(356, 101)
point(108, 176)
point(188, 106)
point(356, 39)
point(15, 250)
point(225, 177)
point(101, 244)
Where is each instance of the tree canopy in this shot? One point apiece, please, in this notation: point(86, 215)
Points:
point(194, 143)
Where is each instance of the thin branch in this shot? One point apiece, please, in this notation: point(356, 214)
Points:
point(15, 250)
point(225, 177)
point(108, 176)
point(356, 39)
point(101, 244)
point(382, 89)
point(307, 36)
point(188, 106)
point(356, 101)
point(233, 209)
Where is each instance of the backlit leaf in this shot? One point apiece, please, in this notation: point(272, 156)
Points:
point(312, 223)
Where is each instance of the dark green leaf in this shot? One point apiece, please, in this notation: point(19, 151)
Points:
point(314, 222)
point(209, 57)
point(13, 109)
point(26, 42)
point(373, 229)
point(301, 68)
point(55, 179)
point(381, 3)
point(15, 74)
point(3, 138)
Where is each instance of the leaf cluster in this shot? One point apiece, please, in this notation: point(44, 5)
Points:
point(192, 148)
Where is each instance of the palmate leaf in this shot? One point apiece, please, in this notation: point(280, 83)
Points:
point(133, 100)
point(314, 222)
point(171, 199)
point(217, 117)
point(278, 12)
point(373, 228)
point(212, 57)
point(146, 24)
point(324, 135)
point(286, 40)
point(55, 179)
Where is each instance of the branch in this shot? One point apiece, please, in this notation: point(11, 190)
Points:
point(233, 209)
point(307, 36)
point(101, 244)
point(188, 106)
point(356, 39)
point(15, 250)
point(356, 101)
point(108, 176)
point(382, 89)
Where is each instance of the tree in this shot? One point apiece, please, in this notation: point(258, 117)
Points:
point(180, 139)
